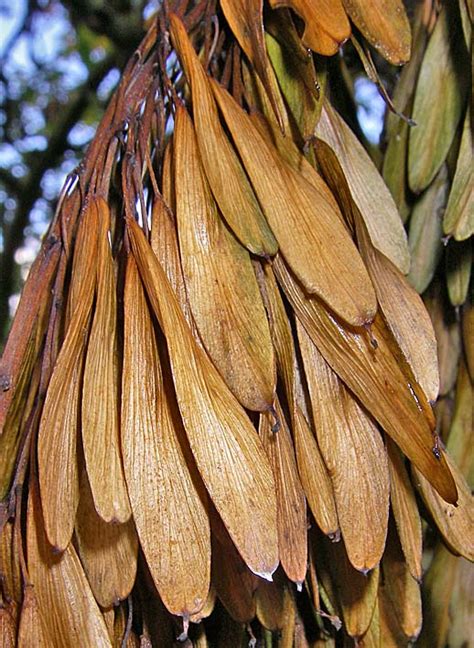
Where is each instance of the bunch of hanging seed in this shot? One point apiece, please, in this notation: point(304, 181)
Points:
point(216, 404)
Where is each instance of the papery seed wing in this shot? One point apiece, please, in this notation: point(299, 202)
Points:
point(8, 626)
point(169, 511)
point(355, 456)
point(207, 608)
point(314, 477)
point(17, 359)
point(405, 510)
point(356, 593)
point(234, 582)
point(164, 242)
point(438, 590)
point(448, 337)
point(291, 502)
point(458, 270)
point(405, 314)
point(108, 551)
point(455, 523)
point(228, 453)
point(298, 81)
point(280, 329)
point(401, 589)
point(426, 231)
point(269, 599)
point(459, 444)
point(458, 218)
point(19, 413)
point(374, 376)
point(385, 25)
point(31, 628)
point(61, 587)
point(304, 218)
point(228, 180)
point(443, 74)
point(12, 589)
point(245, 18)
point(366, 187)
point(100, 392)
point(220, 282)
point(326, 23)
point(57, 437)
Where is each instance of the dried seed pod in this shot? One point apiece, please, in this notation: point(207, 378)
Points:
point(228, 181)
point(108, 551)
point(291, 502)
point(168, 509)
point(385, 25)
point(377, 384)
point(326, 23)
point(348, 161)
point(68, 609)
point(405, 510)
point(218, 274)
point(404, 313)
point(100, 425)
point(443, 74)
point(355, 456)
point(458, 219)
point(57, 437)
point(304, 218)
point(227, 450)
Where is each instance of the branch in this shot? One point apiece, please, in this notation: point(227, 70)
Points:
point(29, 189)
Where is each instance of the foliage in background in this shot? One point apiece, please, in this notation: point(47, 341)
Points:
point(58, 66)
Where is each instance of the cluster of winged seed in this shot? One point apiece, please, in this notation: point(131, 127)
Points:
point(218, 389)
